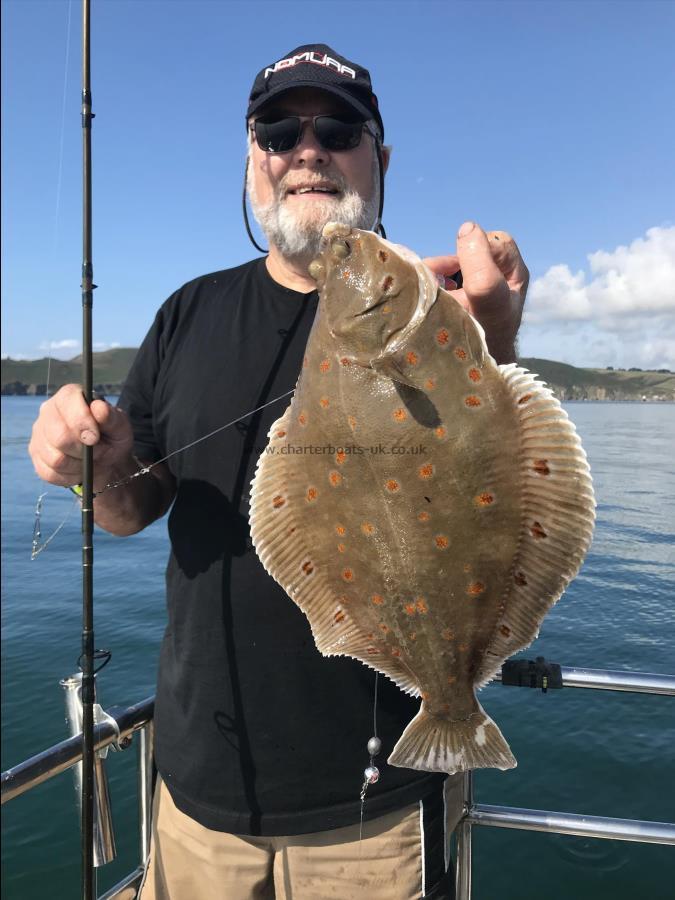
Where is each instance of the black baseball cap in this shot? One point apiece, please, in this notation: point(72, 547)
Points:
point(317, 66)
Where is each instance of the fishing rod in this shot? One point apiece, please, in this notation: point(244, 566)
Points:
point(87, 656)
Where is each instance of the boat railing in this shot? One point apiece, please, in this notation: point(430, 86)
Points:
point(138, 719)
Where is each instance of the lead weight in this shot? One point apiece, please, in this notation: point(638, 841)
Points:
point(374, 746)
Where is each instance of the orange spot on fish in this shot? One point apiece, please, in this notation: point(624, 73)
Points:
point(377, 599)
point(281, 434)
point(413, 635)
point(441, 541)
point(345, 361)
point(448, 634)
point(346, 274)
point(475, 375)
point(400, 415)
point(505, 630)
point(341, 530)
point(485, 499)
point(440, 432)
point(373, 651)
point(442, 337)
point(425, 695)
point(387, 283)
point(525, 398)
point(302, 418)
point(412, 358)
point(421, 605)
point(351, 421)
point(472, 400)
point(386, 308)
point(335, 478)
point(430, 384)
point(278, 501)
point(325, 402)
point(312, 494)
point(476, 588)
point(367, 528)
point(383, 255)
point(410, 609)
point(348, 574)
point(384, 628)
point(307, 567)
point(452, 679)
point(423, 517)
point(520, 579)
point(339, 616)
point(463, 647)
point(340, 457)
point(541, 467)
point(324, 365)
point(341, 548)
point(537, 531)
point(392, 485)
point(395, 652)
point(426, 471)
point(445, 707)
point(460, 353)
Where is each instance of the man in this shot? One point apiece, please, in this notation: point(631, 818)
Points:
point(260, 742)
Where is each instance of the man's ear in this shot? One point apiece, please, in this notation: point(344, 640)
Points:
point(386, 156)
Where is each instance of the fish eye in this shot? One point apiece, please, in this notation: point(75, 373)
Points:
point(341, 249)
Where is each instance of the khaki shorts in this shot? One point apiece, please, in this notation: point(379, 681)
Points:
point(402, 855)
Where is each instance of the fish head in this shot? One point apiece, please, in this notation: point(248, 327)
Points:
point(371, 291)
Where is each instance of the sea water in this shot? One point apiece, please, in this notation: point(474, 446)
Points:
point(580, 751)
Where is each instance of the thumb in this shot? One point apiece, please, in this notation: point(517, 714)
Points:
point(113, 422)
point(482, 275)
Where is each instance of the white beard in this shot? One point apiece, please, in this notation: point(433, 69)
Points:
point(296, 233)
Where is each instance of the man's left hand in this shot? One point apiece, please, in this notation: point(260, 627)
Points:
point(494, 284)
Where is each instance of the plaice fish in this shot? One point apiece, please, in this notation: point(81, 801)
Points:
point(423, 506)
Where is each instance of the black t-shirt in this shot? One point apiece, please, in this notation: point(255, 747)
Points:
point(256, 733)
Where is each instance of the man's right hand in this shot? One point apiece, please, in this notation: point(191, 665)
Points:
point(65, 425)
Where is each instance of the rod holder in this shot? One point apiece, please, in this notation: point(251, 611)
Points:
point(104, 836)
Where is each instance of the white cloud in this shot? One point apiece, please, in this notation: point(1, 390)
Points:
point(622, 312)
point(105, 345)
point(66, 344)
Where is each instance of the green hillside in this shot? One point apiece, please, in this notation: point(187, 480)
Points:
point(568, 382)
point(29, 376)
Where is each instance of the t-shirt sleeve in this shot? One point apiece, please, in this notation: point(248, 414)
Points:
point(138, 393)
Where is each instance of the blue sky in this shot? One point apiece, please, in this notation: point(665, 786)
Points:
point(551, 120)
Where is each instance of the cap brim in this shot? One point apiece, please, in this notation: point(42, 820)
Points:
point(346, 98)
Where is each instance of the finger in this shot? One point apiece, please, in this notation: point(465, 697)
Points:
point(506, 254)
point(482, 276)
point(442, 265)
point(70, 404)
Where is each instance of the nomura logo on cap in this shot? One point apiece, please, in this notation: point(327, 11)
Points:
point(310, 56)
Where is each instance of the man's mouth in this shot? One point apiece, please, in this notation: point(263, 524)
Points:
point(313, 190)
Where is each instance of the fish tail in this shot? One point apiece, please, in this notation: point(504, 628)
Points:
point(433, 743)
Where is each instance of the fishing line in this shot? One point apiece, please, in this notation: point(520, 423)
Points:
point(38, 546)
point(63, 120)
point(371, 774)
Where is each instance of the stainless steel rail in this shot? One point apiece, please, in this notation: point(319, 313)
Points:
point(56, 759)
point(62, 756)
point(615, 680)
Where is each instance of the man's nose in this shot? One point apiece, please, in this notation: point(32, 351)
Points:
point(309, 150)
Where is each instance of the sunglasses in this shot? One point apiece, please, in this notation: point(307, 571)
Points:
point(335, 134)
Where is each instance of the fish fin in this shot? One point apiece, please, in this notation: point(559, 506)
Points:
point(390, 368)
point(558, 517)
point(285, 551)
point(434, 744)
